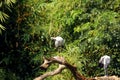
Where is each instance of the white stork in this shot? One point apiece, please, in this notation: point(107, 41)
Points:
point(59, 41)
point(104, 62)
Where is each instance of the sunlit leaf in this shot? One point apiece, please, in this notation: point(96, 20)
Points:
point(3, 16)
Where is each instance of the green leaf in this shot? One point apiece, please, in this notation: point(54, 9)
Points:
point(75, 13)
point(9, 2)
point(3, 16)
point(2, 27)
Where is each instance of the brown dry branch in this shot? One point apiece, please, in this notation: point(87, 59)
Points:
point(57, 71)
point(62, 65)
point(107, 78)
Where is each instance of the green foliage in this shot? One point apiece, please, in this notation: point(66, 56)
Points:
point(2, 74)
point(96, 35)
point(9, 75)
point(90, 29)
point(4, 5)
point(2, 27)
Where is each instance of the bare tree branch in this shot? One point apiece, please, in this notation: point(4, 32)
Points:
point(57, 71)
point(62, 65)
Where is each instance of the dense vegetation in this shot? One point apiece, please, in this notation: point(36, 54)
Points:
point(91, 28)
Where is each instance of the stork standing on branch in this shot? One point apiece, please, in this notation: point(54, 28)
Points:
point(59, 42)
point(104, 62)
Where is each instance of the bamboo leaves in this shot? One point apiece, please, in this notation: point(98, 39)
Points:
point(3, 16)
point(5, 5)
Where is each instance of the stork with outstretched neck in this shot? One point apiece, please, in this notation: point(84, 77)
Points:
point(104, 62)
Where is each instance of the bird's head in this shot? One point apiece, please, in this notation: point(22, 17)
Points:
point(53, 38)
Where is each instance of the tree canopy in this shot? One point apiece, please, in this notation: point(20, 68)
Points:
point(91, 28)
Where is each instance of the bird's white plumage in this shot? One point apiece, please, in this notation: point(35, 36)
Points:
point(59, 41)
point(105, 60)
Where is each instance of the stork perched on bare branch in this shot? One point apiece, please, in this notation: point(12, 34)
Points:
point(104, 62)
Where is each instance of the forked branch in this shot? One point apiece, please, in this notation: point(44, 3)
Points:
point(62, 65)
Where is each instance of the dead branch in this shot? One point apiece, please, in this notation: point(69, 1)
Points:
point(107, 78)
point(62, 65)
point(57, 71)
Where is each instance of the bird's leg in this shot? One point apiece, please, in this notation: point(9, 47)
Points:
point(59, 49)
point(105, 70)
